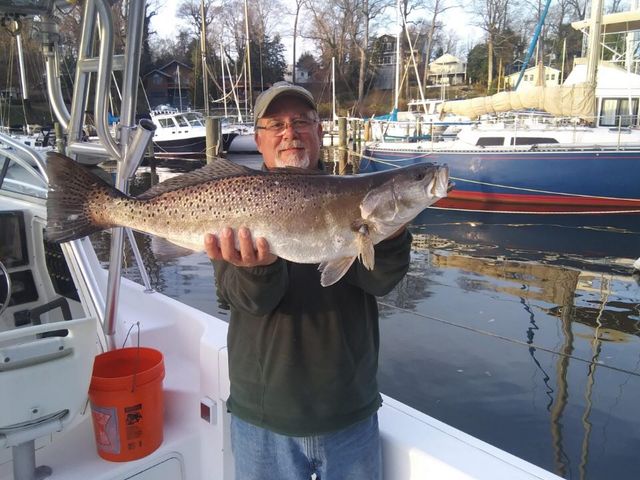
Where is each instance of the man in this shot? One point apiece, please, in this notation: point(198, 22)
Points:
point(303, 358)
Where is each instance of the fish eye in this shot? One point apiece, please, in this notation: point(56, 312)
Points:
point(419, 176)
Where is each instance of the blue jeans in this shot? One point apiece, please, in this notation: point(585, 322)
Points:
point(350, 454)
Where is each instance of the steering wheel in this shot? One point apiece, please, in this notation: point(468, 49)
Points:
point(5, 303)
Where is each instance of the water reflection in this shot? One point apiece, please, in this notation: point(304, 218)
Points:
point(479, 318)
point(534, 351)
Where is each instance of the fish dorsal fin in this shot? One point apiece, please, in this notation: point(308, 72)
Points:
point(220, 167)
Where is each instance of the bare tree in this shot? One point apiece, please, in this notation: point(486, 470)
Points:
point(492, 18)
point(331, 24)
point(579, 7)
point(191, 12)
point(369, 10)
point(437, 8)
point(299, 4)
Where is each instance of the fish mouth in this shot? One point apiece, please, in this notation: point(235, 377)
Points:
point(440, 186)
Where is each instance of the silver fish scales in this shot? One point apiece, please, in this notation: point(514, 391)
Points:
point(306, 216)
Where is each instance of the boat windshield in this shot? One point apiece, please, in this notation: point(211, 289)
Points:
point(181, 121)
point(166, 122)
point(194, 119)
point(21, 178)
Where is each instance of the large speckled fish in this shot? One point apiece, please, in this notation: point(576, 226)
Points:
point(306, 216)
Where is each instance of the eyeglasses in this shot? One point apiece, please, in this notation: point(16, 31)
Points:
point(300, 125)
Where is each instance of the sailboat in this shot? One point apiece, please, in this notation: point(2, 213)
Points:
point(545, 164)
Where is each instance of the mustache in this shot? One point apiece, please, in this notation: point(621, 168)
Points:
point(290, 144)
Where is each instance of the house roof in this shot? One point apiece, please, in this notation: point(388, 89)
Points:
point(156, 71)
point(176, 62)
point(533, 70)
point(447, 58)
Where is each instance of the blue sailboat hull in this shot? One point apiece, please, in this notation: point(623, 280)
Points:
point(534, 182)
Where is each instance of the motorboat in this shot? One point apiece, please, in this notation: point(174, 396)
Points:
point(183, 133)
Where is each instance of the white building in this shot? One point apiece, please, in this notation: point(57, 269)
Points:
point(302, 75)
point(447, 70)
point(551, 77)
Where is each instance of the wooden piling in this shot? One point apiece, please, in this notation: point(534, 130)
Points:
point(342, 145)
point(367, 131)
point(214, 138)
point(151, 160)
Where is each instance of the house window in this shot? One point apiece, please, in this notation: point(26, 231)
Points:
point(553, 76)
point(157, 80)
point(615, 112)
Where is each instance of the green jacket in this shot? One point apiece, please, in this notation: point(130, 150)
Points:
point(303, 358)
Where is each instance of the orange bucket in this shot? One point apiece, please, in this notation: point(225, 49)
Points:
point(126, 403)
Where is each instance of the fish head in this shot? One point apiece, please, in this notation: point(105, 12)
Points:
point(419, 186)
point(403, 194)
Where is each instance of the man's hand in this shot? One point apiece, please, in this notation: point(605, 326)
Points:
point(224, 248)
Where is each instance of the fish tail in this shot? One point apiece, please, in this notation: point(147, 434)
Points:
point(73, 191)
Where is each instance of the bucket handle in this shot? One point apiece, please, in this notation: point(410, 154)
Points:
point(135, 370)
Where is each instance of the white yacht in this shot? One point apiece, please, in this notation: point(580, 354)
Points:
point(183, 133)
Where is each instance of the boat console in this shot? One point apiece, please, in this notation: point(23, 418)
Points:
point(47, 341)
point(30, 294)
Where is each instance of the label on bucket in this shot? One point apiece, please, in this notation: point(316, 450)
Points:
point(105, 422)
point(134, 426)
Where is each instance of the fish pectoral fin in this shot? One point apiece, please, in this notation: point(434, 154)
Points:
point(165, 249)
point(365, 248)
point(334, 270)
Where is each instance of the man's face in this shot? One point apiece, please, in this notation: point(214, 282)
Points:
point(290, 147)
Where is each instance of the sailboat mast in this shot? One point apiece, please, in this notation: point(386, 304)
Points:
point(23, 74)
point(23, 78)
point(246, 29)
point(398, 59)
point(224, 83)
point(333, 87)
point(594, 41)
point(203, 51)
point(179, 87)
point(594, 53)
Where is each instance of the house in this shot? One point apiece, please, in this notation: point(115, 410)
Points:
point(384, 61)
point(551, 77)
point(447, 70)
point(170, 84)
point(303, 76)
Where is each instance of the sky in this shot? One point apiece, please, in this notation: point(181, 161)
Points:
point(165, 24)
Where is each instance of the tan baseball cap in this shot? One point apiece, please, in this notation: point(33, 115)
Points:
point(277, 90)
